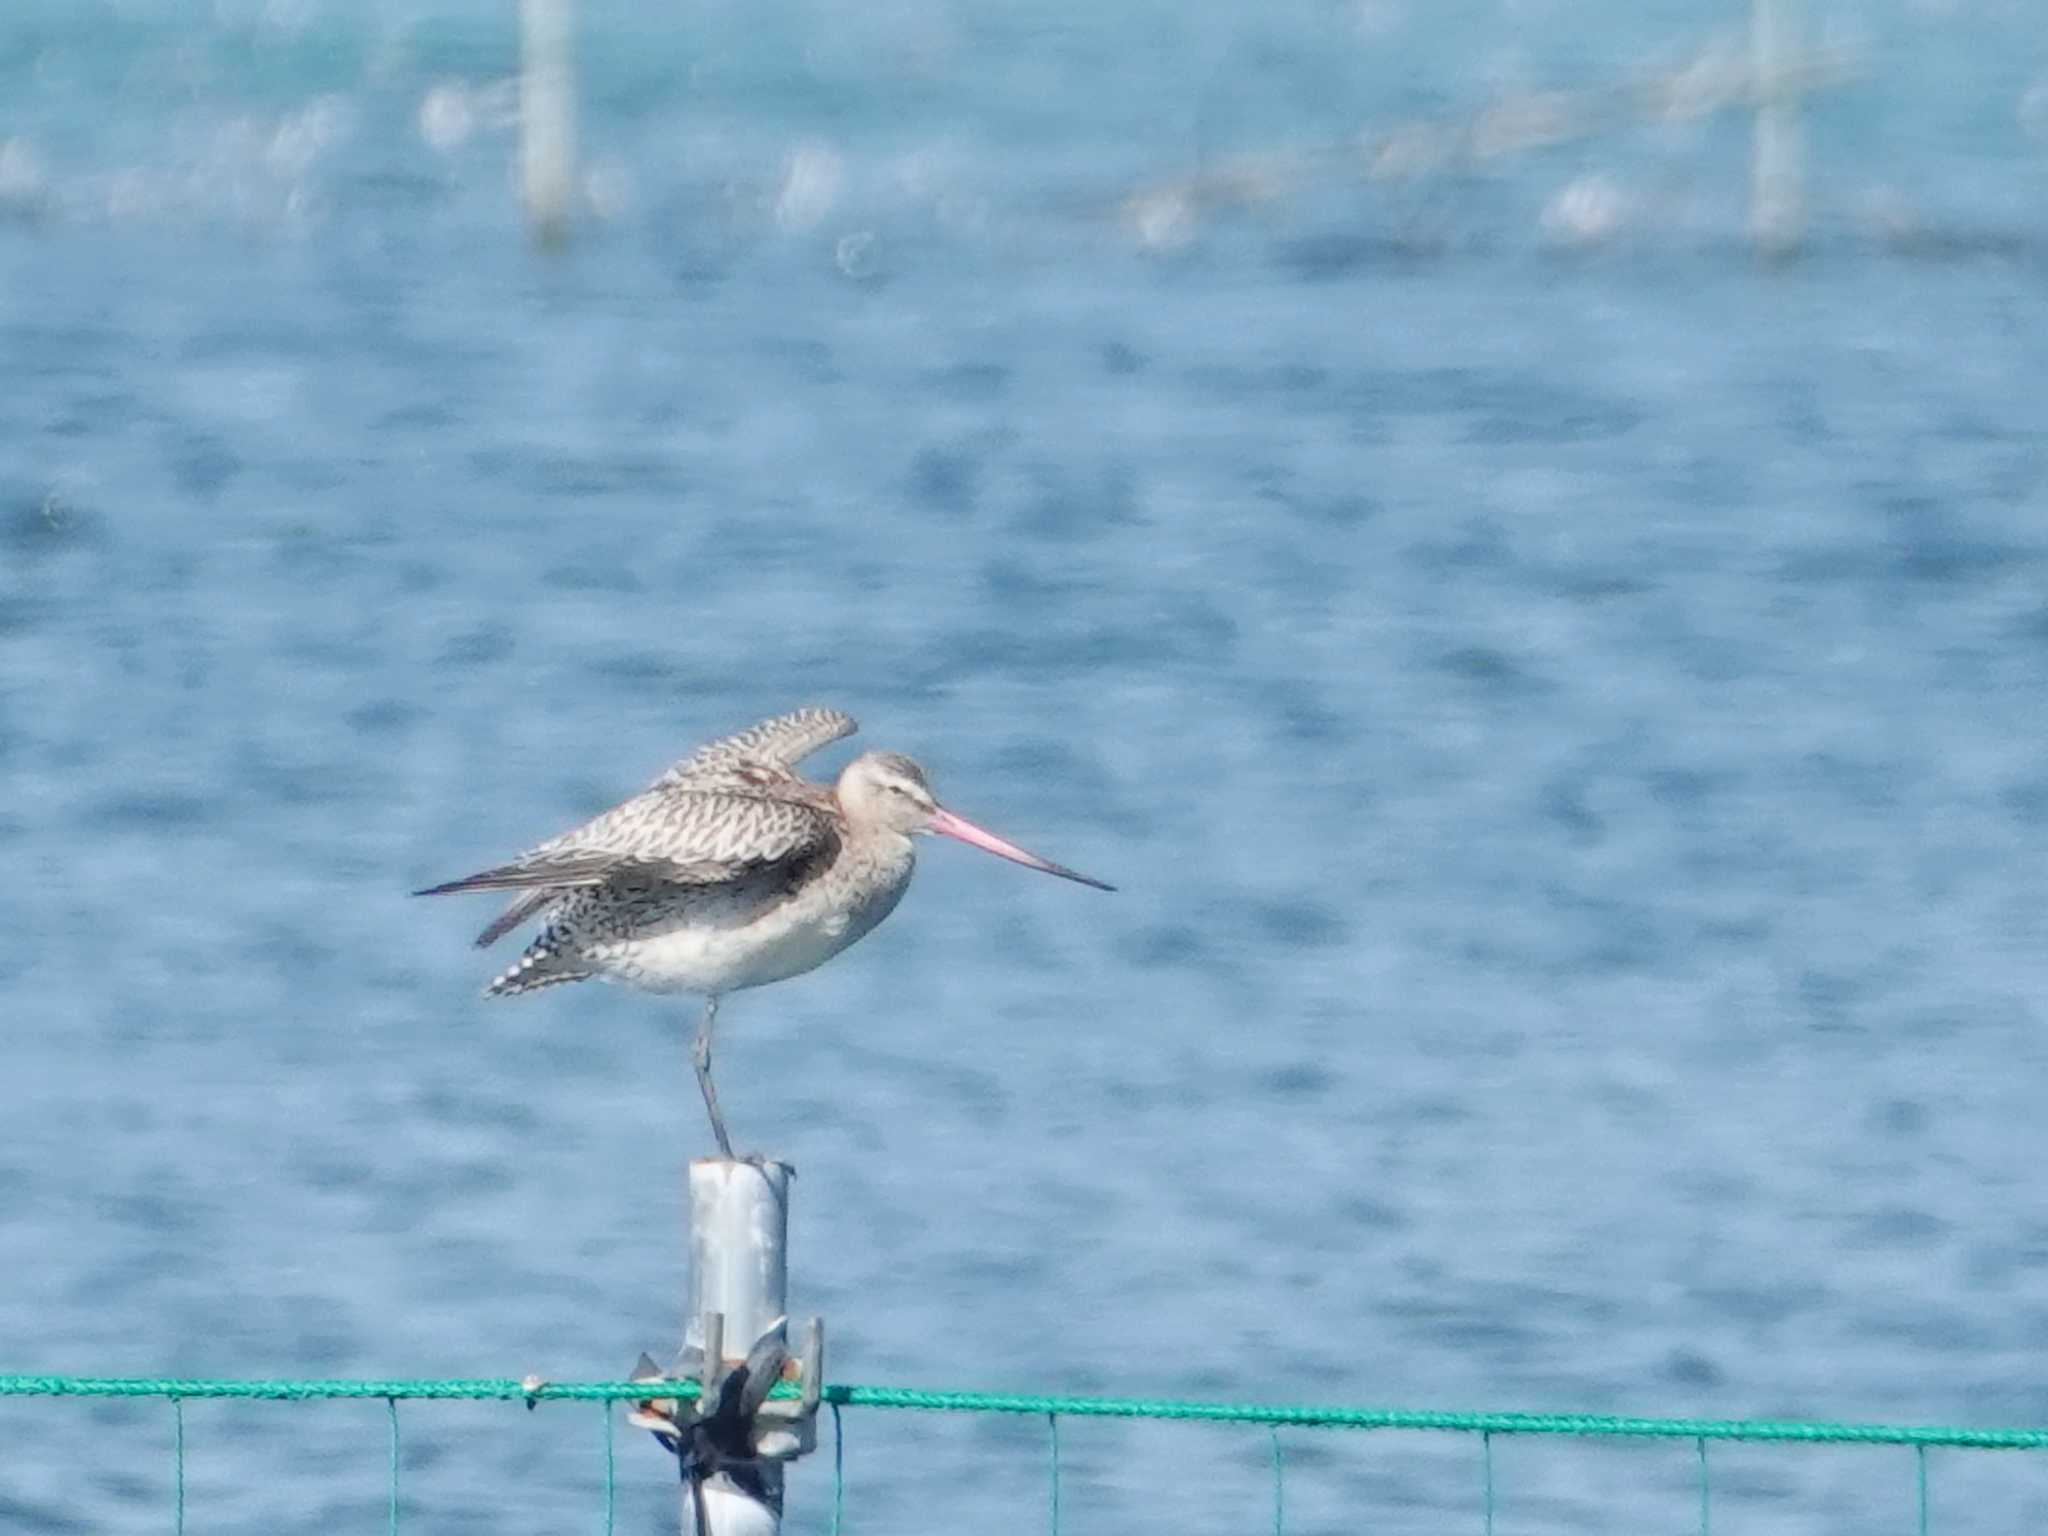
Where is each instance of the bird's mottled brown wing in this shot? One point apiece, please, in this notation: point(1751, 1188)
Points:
point(756, 764)
point(678, 835)
point(764, 752)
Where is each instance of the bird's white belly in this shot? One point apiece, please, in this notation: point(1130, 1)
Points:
point(709, 957)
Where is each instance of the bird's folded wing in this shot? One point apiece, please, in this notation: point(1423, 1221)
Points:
point(768, 749)
point(523, 906)
point(561, 871)
point(674, 836)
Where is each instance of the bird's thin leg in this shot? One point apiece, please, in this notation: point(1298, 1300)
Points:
point(700, 1057)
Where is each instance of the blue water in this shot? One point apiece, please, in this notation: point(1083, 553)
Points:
point(1565, 723)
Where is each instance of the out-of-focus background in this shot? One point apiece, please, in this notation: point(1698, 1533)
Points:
point(1557, 679)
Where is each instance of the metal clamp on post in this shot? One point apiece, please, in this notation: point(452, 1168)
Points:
point(731, 1439)
point(732, 1419)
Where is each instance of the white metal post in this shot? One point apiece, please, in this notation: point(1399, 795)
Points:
point(739, 1289)
point(547, 116)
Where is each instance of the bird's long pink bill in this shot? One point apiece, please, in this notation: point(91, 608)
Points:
point(946, 824)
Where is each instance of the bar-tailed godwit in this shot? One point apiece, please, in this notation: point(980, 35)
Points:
point(731, 870)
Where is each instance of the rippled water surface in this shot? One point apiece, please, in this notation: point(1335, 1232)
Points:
point(1566, 725)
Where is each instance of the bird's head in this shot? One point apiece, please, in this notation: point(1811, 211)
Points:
point(887, 789)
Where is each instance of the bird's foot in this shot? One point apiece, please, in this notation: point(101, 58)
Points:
point(760, 1160)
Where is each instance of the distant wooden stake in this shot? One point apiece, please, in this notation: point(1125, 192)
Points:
point(739, 1273)
point(1777, 217)
point(547, 117)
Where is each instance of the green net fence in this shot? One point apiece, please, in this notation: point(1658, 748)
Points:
point(1917, 1440)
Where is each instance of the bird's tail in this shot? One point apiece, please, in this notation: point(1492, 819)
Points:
point(545, 964)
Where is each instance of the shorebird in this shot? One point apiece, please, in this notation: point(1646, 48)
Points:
point(731, 870)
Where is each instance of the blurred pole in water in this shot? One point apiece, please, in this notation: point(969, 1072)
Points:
point(1776, 215)
point(547, 117)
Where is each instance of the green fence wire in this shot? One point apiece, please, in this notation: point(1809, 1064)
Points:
point(1920, 1438)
